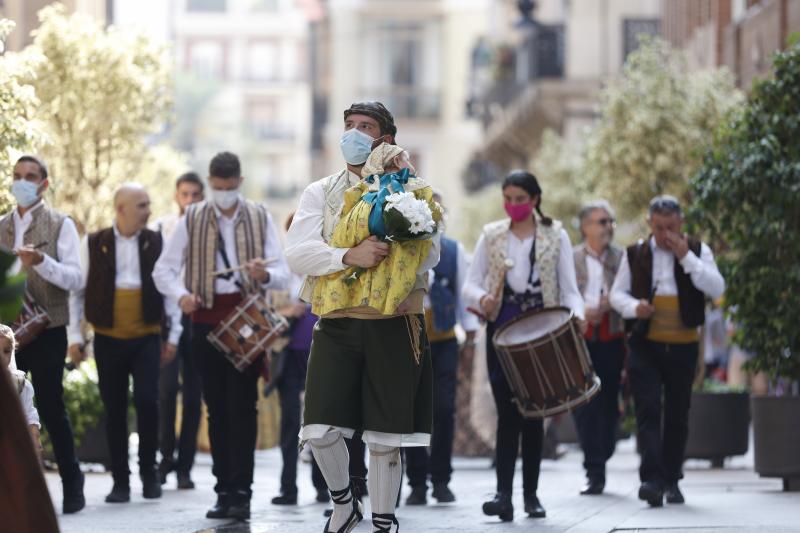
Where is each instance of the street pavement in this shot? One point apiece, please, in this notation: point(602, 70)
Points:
point(729, 500)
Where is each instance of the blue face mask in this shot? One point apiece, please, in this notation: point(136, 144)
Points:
point(25, 192)
point(356, 146)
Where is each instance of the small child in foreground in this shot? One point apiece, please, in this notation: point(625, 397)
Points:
point(8, 346)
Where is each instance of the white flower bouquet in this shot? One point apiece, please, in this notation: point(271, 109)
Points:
point(405, 218)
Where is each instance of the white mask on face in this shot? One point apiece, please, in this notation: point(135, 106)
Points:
point(224, 199)
point(25, 192)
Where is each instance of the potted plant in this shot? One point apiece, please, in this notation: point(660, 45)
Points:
point(747, 196)
point(719, 422)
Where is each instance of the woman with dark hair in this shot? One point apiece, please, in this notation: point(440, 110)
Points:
point(521, 263)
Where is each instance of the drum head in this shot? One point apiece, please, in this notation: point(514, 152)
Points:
point(532, 327)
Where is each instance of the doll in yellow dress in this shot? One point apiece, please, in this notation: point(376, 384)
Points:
point(369, 210)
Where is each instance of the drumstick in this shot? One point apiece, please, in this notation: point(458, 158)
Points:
point(240, 267)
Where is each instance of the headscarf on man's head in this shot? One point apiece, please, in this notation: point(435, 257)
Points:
point(380, 159)
point(377, 111)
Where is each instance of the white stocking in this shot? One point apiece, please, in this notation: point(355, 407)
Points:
point(385, 476)
point(331, 454)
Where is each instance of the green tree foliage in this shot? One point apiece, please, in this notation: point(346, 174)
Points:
point(18, 131)
point(102, 92)
point(656, 121)
point(747, 194)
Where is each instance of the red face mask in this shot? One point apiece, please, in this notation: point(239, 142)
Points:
point(519, 212)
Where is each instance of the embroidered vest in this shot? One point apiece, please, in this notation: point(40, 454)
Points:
point(101, 290)
point(201, 252)
point(45, 227)
point(548, 248)
point(614, 256)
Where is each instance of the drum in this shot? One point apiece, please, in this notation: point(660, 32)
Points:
point(546, 363)
point(248, 332)
point(31, 322)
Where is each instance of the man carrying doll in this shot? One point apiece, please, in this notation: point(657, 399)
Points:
point(369, 370)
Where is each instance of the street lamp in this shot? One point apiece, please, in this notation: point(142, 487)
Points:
point(527, 30)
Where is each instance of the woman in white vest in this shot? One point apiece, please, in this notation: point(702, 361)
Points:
point(521, 263)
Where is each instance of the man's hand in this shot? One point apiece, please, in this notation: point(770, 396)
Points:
point(593, 315)
point(644, 310)
point(29, 256)
point(37, 441)
point(168, 352)
point(678, 243)
point(293, 311)
point(404, 307)
point(583, 325)
point(77, 354)
point(189, 303)
point(488, 304)
point(367, 254)
point(257, 269)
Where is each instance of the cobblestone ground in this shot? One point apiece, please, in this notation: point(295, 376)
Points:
point(729, 500)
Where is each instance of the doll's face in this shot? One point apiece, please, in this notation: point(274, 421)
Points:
point(400, 162)
point(6, 351)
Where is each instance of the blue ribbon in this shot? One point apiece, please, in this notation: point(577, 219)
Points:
point(389, 184)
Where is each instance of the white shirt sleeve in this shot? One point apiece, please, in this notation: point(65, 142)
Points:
point(173, 311)
point(568, 284)
point(279, 274)
point(704, 272)
point(65, 271)
point(432, 259)
point(620, 297)
point(307, 253)
point(469, 321)
point(473, 289)
point(78, 295)
point(26, 398)
point(167, 274)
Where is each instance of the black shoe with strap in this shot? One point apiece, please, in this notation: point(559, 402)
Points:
point(382, 523)
point(343, 497)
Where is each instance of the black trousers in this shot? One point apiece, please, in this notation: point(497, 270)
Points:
point(231, 398)
point(117, 360)
point(510, 427)
point(655, 368)
point(290, 386)
point(597, 421)
point(44, 359)
point(190, 387)
point(419, 464)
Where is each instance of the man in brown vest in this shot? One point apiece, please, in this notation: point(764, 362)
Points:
point(597, 261)
point(125, 309)
point(215, 235)
point(46, 243)
point(661, 286)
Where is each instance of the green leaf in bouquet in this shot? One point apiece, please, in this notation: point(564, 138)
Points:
point(395, 222)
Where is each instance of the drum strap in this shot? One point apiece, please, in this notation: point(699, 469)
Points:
point(225, 260)
point(528, 299)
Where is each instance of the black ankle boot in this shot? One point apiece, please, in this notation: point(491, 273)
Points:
point(120, 493)
point(418, 496)
point(219, 509)
point(533, 507)
point(500, 506)
point(74, 499)
point(239, 507)
point(151, 484)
